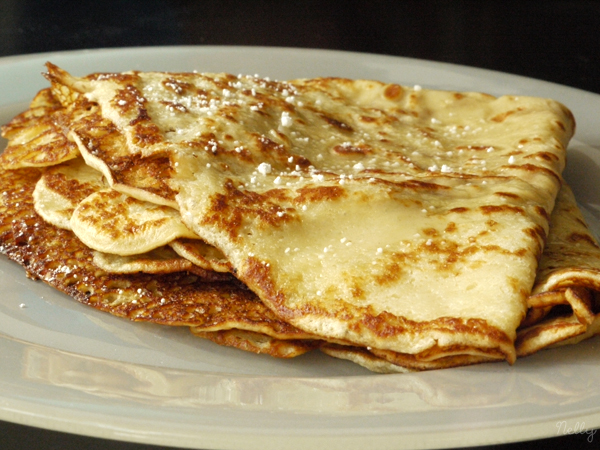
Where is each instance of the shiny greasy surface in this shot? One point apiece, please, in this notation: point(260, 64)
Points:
point(563, 308)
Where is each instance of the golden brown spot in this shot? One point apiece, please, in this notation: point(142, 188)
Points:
point(432, 232)
point(421, 185)
point(178, 86)
point(392, 269)
point(230, 210)
point(357, 291)
point(503, 116)
point(546, 156)
point(172, 106)
point(368, 119)
point(579, 237)
point(403, 112)
point(319, 194)
point(271, 148)
point(536, 232)
point(393, 91)
point(493, 209)
point(542, 212)
point(336, 123)
point(347, 149)
point(68, 188)
point(278, 195)
point(130, 100)
point(451, 228)
point(534, 168)
point(476, 148)
point(427, 132)
point(509, 195)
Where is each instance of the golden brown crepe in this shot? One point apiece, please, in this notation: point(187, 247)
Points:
point(408, 221)
point(401, 226)
point(128, 234)
point(36, 137)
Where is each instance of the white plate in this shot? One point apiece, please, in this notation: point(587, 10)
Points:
point(66, 367)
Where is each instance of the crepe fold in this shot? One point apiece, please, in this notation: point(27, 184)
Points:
point(400, 228)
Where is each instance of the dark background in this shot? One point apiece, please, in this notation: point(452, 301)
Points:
point(556, 41)
point(552, 40)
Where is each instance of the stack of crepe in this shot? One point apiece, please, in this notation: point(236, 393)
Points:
point(399, 228)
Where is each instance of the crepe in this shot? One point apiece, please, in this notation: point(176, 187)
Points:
point(65, 189)
point(401, 226)
point(160, 260)
point(142, 177)
point(62, 187)
point(36, 137)
point(68, 183)
point(74, 196)
point(563, 309)
point(565, 303)
point(404, 220)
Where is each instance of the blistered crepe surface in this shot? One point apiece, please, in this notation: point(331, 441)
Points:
point(303, 184)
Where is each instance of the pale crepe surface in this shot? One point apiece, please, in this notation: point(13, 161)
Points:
point(564, 307)
point(62, 187)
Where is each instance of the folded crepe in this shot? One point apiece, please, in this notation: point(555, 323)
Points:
point(401, 226)
point(564, 305)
